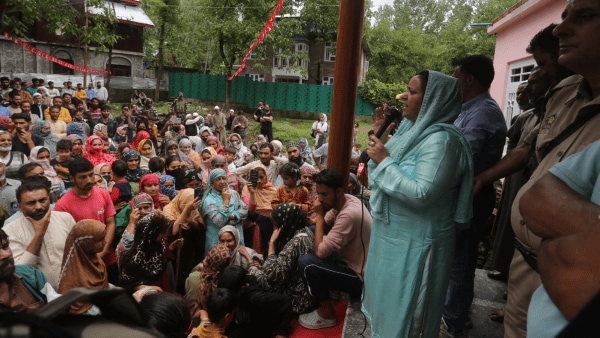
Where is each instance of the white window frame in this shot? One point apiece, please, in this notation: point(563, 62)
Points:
point(327, 81)
point(329, 55)
point(257, 77)
point(299, 48)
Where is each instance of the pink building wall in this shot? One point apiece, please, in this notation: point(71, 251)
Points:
point(514, 29)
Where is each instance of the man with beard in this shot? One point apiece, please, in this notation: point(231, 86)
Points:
point(294, 152)
point(101, 93)
point(23, 140)
point(94, 108)
point(107, 120)
point(268, 161)
point(342, 236)
point(17, 286)
point(38, 107)
point(4, 85)
point(26, 109)
point(16, 87)
point(38, 237)
point(87, 201)
point(64, 114)
point(58, 127)
point(14, 98)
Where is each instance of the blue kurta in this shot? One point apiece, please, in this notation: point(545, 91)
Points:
point(419, 194)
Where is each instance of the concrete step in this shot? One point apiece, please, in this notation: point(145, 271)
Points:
point(488, 297)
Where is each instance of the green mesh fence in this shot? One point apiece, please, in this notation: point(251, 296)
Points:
point(281, 96)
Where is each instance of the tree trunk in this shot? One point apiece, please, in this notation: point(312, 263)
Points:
point(108, 67)
point(159, 73)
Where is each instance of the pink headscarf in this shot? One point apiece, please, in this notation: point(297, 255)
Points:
point(96, 154)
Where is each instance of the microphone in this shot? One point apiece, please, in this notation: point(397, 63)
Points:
point(390, 116)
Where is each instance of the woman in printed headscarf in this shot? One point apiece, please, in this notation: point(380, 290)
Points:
point(124, 238)
point(150, 184)
point(94, 151)
point(167, 186)
point(235, 140)
point(134, 172)
point(240, 255)
point(421, 182)
point(76, 128)
point(42, 129)
point(306, 152)
point(216, 260)
point(41, 155)
point(290, 240)
point(81, 265)
point(189, 155)
point(147, 152)
point(185, 209)
point(78, 144)
point(220, 206)
point(206, 157)
point(145, 262)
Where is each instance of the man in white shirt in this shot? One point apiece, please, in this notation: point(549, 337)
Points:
point(38, 238)
point(52, 92)
point(101, 92)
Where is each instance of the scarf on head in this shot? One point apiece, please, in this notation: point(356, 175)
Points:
point(81, 265)
point(236, 146)
point(145, 159)
point(312, 189)
point(77, 150)
point(219, 149)
point(214, 174)
point(236, 257)
point(141, 198)
point(76, 128)
point(118, 138)
point(215, 261)
point(133, 175)
point(96, 155)
point(146, 261)
point(139, 136)
point(7, 124)
point(151, 179)
point(442, 102)
point(167, 191)
point(306, 152)
point(49, 171)
point(120, 149)
point(50, 140)
point(291, 219)
point(174, 209)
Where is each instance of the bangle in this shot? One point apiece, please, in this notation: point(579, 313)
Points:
point(272, 242)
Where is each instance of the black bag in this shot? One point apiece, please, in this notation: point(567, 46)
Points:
point(313, 133)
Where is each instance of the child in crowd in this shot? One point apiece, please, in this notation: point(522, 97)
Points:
point(61, 163)
point(290, 191)
point(221, 306)
point(121, 190)
point(230, 153)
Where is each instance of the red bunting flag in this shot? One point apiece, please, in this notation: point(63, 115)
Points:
point(54, 59)
point(265, 31)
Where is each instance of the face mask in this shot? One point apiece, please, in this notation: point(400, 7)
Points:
point(107, 178)
point(177, 129)
point(45, 133)
point(7, 148)
point(235, 143)
point(95, 149)
point(206, 163)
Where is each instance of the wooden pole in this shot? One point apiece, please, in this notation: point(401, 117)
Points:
point(347, 63)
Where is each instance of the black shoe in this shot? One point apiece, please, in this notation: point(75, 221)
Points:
point(497, 275)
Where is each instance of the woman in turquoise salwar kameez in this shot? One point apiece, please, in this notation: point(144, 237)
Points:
point(421, 192)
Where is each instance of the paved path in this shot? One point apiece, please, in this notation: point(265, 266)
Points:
point(488, 296)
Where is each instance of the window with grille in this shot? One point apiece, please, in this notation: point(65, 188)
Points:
point(257, 77)
point(327, 81)
point(330, 51)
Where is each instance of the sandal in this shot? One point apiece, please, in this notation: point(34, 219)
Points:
point(497, 315)
point(313, 321)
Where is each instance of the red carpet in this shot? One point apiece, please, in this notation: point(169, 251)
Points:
point(330, 332)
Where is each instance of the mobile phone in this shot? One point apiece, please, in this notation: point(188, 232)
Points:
point(198, 192)
point(104, 129)
point(254, 177)
point(176, 120)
